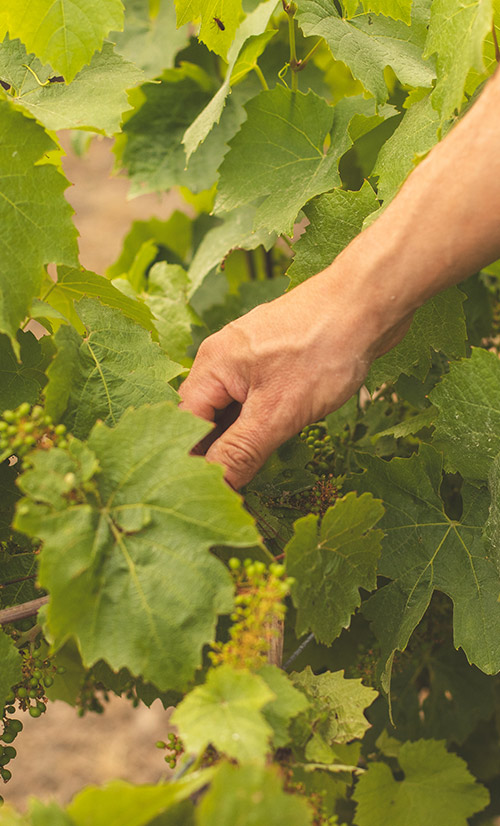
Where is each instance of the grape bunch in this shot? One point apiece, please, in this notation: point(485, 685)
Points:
point(25, 428)
point(259, 608)
point(317, 438)
point(174, 748)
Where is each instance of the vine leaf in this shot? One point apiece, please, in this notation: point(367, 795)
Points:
point(126, 552)
point(116, 365)
point(251, 794)
point(456, 33)
point(74, 283)
point(330, 561)
point(416, 134)
point(367, 43)
point(119, 802)
point(334, 220)
point(150, 146)
point(75, 105)
point(217, 37)
point(226, 711)
point(492, 527)
point(63, 33)
point(11, 671)
point(434, 781)
point(337, 706)
point(397, 9)
point(21, 381)
point(150, 41)
point(288, 702)
point(468, 425)
point(278, 156)
point(424, 550)
point(173, 317)
point(35, 219)
point(438, 325)
point(254, 24)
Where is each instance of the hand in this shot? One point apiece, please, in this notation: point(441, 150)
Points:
point(287, 363)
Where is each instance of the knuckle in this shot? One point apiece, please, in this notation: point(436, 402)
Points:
point(240, 454)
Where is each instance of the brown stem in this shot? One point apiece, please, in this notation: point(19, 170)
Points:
point(276, 631)
point(25, 609)
point(14, 581)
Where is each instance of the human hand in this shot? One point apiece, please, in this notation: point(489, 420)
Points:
point(287, 363)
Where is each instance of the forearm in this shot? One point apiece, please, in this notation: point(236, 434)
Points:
point(443, 225)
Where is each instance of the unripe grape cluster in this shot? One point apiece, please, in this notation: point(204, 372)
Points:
point(318, 439)
point(174, 747)
point(24, 428)
point(258, 607)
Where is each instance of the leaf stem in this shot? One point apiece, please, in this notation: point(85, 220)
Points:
point(290, 9)
point(303, 63)
point(258, 71)
point(299, 651)
point(495, 41)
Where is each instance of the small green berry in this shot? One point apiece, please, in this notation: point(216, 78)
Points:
point(60, 429)
point(22, 692)
point(234, 563)
point(5, 774)
point(8, 415)
point(160, 744)
point(23, 410)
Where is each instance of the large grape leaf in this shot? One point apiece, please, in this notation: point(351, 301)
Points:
point(331, 561)
point(416, 134)
point(11, 671)
point(175, 235)
point(456, 33)
point(95, 100)
point(219, 21)
point(279, 156)
point(235, 232)
point(288, 702)
point(438, 325)
point(334, 220)
point(492, 527)
point(250, 795)
point(368, 43)
point(226, 711)
point(35, 219)
point(125, 804)
point(150, 146)
point(397, 9)
point(74, 283)
point(424, 550)
point(63, 33)
point(115, 366)
point(126, 553)
point(468, 425)
point(337, 705)
point(254, 24)
point(151, 41)
point(435, 783)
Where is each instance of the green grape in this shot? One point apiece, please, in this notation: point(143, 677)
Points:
point(34, 681)
point(32, 693)
point(15, 725)
point(48, 681)
point(10, 709)
point(10, 698)
point(5, 774)
point(160, 744)
point(9, 736)
point(10, 752)
point(3, 426)
point(23, 410)
point(8, 415)
point(34, 711)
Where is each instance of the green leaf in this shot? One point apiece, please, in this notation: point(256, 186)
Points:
point(35, 219)
point(248, 58)
point(468, 425)
point(288, 702)
point(331, 561)
point(128, 566)
point(175, 234)
point(492, 527)
point(250, 795)
point(235, 232)
point(96, 99)
point(250, 295)
point(167, 299)
point(152, 150)
point(254, 24)
point(334, 220)
point(434, 782)
point(397, 9)
point(226, 712)
point(337, 705)
point(424, 550)
point(123, 804)
point(415, 135)
point(279, 156)
point(438, 325)
point(368, 44)
point(456, 33)
point(150, 41)
point(47, 814)
point(218, 38)
point(72, 284)
point(115, 366)
point(63, 33)
point(21, 381)
point(11, 671)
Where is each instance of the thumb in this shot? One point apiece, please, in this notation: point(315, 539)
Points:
point(247, 444)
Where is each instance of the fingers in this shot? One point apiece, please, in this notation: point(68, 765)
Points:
point(247, 444)
point(203, 394)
